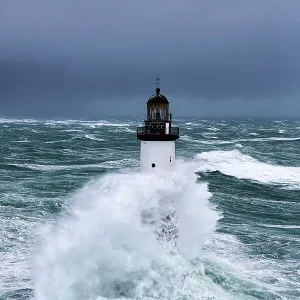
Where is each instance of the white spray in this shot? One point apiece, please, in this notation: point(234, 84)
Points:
point(102, 249)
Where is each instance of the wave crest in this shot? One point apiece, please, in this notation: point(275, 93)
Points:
point(239, 165)
point(102, 249)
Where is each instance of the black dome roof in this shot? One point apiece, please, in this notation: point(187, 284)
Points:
point(158, 98)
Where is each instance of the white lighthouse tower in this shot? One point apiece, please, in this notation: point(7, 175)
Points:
point(157, 136)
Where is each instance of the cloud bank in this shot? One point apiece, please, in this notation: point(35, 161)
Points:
point(81, 59)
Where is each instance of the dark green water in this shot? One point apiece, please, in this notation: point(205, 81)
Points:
point(72, 196)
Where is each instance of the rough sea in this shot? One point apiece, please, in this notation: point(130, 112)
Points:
point(72, 198)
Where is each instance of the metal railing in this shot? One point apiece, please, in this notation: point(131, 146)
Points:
point(161, 131)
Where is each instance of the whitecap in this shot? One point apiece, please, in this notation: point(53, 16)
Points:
point(234, 163)
point(281, 226)
point(108, 164)
point(101, 246)
point(108, 124)
point(93, 138)
point(18, 121)
point(213, 129)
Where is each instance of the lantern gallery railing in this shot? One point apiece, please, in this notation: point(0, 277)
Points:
point(155, 132)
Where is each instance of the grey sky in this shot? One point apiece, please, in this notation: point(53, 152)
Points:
point(94, 58)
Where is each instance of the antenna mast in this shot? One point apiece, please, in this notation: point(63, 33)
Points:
point(157, 81)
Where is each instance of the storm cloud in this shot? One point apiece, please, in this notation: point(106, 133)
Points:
point(92, 58)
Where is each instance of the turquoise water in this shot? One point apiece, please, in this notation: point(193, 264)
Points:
point(72, 197)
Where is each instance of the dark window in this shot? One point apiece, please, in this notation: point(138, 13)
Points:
point(170, 158)
point(153, 165)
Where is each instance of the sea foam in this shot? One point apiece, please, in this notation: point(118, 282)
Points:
point(239, 165)
point(101, 248)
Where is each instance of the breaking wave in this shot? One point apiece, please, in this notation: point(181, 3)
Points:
point(234, 141)
point(108, 164)
point(101, 248)
point(93, 138)
point(239, 165)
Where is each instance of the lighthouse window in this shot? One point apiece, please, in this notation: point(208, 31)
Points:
point(153, 165)
point(170, 158)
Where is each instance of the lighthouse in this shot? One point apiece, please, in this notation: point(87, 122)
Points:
point(157, 136)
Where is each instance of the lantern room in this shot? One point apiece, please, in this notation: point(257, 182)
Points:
point(158, 124)
point(158, 108)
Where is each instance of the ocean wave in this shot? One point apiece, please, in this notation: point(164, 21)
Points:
point(102, 249)
point(72, 130)
point(56, 123)
point(60, 122)
point(209, 135)
point(239, 165)
point(234, 141)
point(107, 124)
point(38, 167)
point(59, 141)
point(282, 139)
point(187, 138)
point(93, 138)
point(281, 226)
point(205, 142)
point(18, 121)
point(130, 130)
point(91, 124)
point(266, 278)
point(22, 140)
point(213, 128)
point(108, 164)
point(122, 129)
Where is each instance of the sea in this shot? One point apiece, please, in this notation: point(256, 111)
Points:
point(72, 199)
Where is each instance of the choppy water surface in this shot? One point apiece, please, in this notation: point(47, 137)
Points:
point(72, 197)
